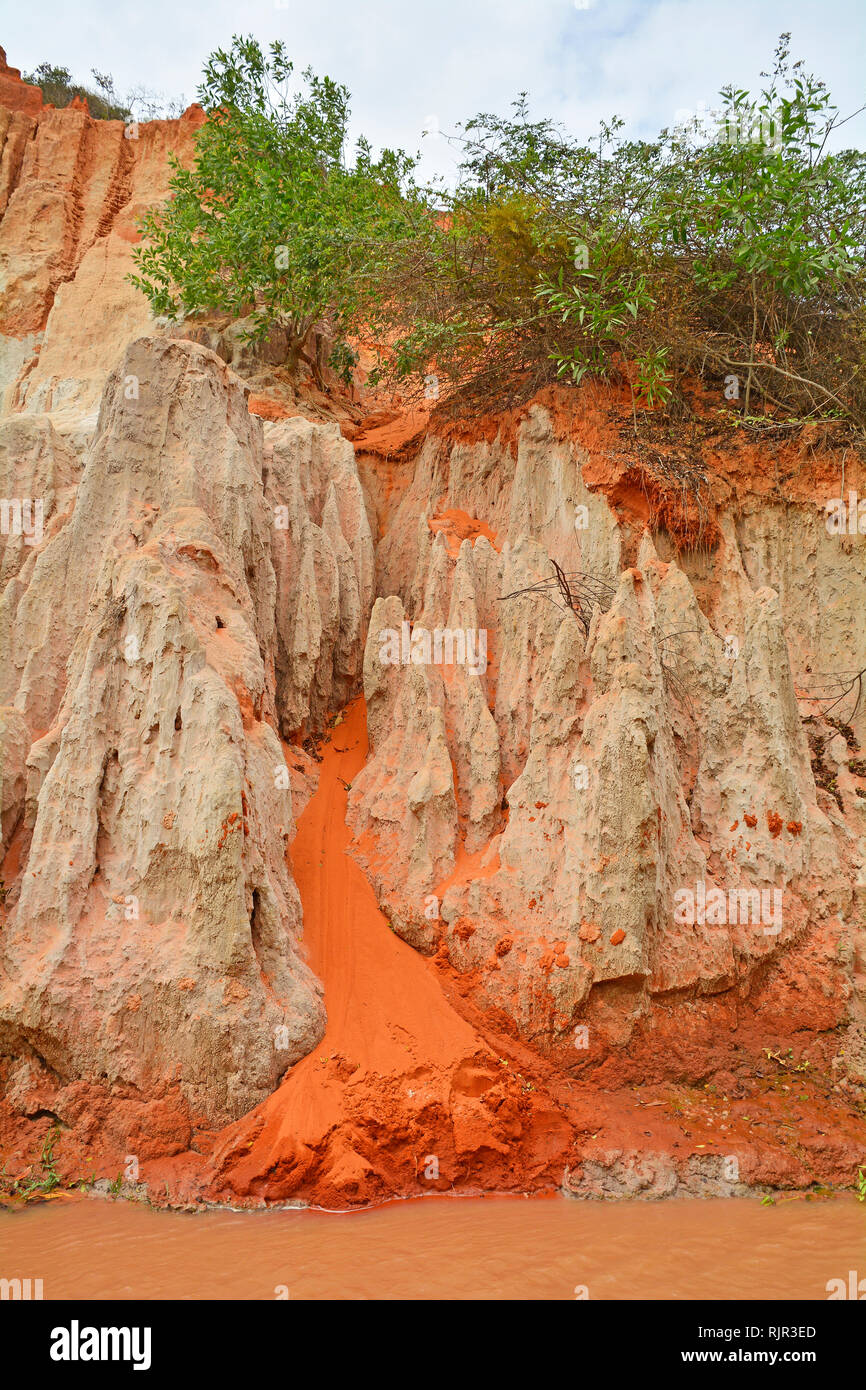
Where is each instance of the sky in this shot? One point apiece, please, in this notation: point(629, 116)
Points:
point(412, 65)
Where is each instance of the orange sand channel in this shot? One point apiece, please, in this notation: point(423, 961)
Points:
point(382, 1000)
point(392, 1039)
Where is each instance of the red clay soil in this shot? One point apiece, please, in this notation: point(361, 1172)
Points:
point(267, 408)
point(390, 435)
point(671, 477)
point(654, 478)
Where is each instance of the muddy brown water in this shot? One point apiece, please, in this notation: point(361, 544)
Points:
point(441, 1248)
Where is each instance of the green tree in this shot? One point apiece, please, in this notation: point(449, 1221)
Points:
point(271, 220)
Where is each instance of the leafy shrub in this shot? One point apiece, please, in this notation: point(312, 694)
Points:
point(738, 258)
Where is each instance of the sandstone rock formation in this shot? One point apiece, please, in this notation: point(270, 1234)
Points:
point(154, 923)
point(538, 821)
point(322, 552)
point(567, 827)
point(16, 95)
point(72, 190)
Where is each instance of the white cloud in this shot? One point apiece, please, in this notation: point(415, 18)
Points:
point(641, 59)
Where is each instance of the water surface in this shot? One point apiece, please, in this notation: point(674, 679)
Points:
point(435, 1248)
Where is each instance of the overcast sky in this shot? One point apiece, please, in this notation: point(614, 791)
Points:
point(409, 64)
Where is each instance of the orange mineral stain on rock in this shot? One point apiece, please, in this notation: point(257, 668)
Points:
point(457, 526)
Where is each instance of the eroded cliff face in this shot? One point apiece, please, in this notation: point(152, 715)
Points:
point(261, 684)
point(535, 820)
point(71, 192)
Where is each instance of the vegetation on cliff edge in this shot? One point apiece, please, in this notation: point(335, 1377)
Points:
point(733, 254)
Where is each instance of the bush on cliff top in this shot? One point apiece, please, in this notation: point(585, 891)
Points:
point(58, 89)
point(735, 255)
point(103, 102)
